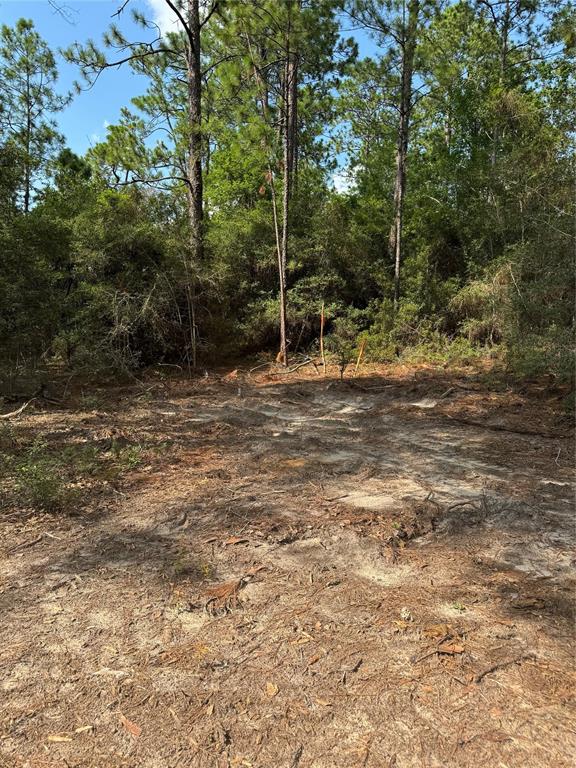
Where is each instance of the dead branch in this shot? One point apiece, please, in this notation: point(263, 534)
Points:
point(296, 757)
point(501, 428)
point(502, 665)
point(256, 367)
point(27, 544)
point(18, 411)
point(294, 368)
point(300, 365)
point(371, 389)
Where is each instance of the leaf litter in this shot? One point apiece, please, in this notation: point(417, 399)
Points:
point(308, 620)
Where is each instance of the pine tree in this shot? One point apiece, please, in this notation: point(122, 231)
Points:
point(28, 75)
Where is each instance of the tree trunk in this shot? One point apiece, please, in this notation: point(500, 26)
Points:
point(195, 181)
point(504, 33)
point(292, 118)
point(290, 121)
point(28, 140)
point(281, 243)
point(408, 44)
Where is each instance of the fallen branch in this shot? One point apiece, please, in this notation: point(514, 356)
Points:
point(502, 665)
point(300, 365)
point(27, 544)
point(18, 411)
point(256, 367)
point(296, 757)
point(500, 428)
point(294, 368)
point(371, 389)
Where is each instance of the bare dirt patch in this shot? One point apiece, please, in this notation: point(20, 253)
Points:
point(296, 572)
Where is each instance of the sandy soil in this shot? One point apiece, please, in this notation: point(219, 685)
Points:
point(301, 573)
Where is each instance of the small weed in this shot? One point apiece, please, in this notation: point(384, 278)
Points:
point(458, 607)
point(39, 480)
point(90, 401)
point(8, 439)
point(129, 457)
point(84, 459)
point(185, 565)
point(206, 570)
point(44, 477)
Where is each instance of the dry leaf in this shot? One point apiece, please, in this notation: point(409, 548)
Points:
point(58, 737)
point(255, 569)
point(301, 641)
point(402, 625)
point(323, 702)
point(437, 630)
point(225, 590)
point(451, 648)
point(131, 727)
point(84, 729)
point(314, 659)
point(210, 709)
point(272, 689)
point(236, 540)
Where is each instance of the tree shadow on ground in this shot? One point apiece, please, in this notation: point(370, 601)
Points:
point(266, 460)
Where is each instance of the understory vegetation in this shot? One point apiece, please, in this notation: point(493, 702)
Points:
point(411, 181)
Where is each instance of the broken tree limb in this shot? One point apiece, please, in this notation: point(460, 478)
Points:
point(256, 367)
point(18, 411)
point(502, 428)
point(502, 665)
point(294, 368)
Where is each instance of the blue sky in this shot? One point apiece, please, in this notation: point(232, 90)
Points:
point(84, 122)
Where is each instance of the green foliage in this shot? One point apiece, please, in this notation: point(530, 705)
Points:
point(96, 265)
point(40, 479)
point(342, 342)
point(28, 75)
point(54, 478)
point(127, 457)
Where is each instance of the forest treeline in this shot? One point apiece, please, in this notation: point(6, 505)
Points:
point(423, 196)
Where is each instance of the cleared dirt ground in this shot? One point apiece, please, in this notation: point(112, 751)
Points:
point(300, 573)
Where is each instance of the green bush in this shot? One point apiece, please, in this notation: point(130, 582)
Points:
point(39, 478)
point(342, 342)
point(550, 351)
point(41, 484)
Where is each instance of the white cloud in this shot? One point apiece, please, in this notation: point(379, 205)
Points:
point(163, 15)
point(343, 181)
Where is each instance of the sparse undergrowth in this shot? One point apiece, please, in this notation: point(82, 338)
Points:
point(55, 477)
point(282, 574)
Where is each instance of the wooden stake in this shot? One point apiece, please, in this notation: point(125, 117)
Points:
point(322, 338)
point(360, 354)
